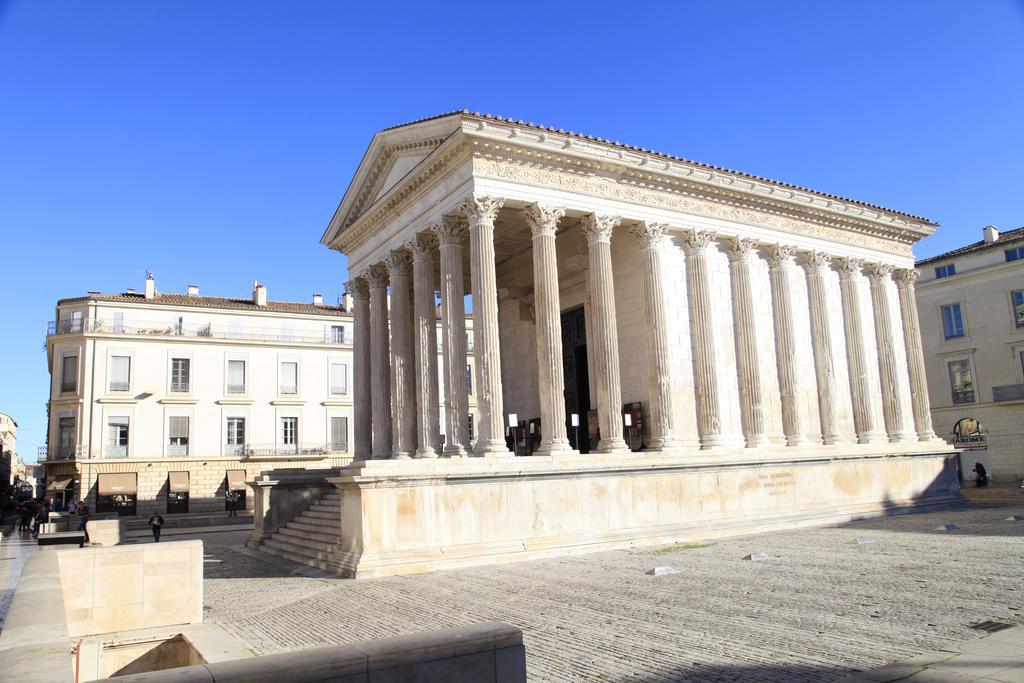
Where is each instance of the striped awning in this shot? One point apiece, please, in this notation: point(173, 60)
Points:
point(116, 483)
point(236, 480)
point(177, 482)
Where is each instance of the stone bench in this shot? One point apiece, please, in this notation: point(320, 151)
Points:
point(62, 538)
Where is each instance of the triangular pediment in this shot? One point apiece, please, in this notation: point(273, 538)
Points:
point(392, 155)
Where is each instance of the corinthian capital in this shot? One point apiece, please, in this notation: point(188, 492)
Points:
point(480, 209)
point(906, 277)
point(398, 264)
point(698, 240)
point(359, 289)
point(879, 271)
point(739, 247)
point(849, 266)
point(599, 228)
point(451, 230)
point(817, 260)
point(543, 219)
point(780, 255)
point(649, 234)
point(422, 247)
point(377, 276)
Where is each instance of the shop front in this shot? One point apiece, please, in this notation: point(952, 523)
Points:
point(117, 492)
point(235, 484)
point(177, 492)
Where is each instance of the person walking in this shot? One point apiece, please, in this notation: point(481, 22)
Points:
point(42, 517)
point(72, 507)
point(83, 518)
point(156, 522)
point(979, 470)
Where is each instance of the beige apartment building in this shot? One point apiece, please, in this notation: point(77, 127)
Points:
point(171, 401)
point(971, 306)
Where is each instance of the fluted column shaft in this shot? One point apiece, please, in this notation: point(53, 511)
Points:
point(362, 397)
point(551, 383)
point(425, 343)
point(892, 407)
point(817, 265)
point(780, 262)
point(481, 213)
point(450, 233)
point(747, 362)
point(604, 326)
point(403, 393)
point(380, 362)
point(905, 280)
point(659, 367)
point(709, 426)
point(860, 387)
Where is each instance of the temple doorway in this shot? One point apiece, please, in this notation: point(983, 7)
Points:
point(577, 377)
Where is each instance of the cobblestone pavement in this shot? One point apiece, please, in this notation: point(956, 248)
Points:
point(821, 607)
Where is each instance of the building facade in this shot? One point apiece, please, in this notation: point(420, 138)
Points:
point(9, 458)
point(170, 401)
point(738, 320)
point(971, 306)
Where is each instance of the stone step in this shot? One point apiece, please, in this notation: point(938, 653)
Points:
point(300, 553)
point(326, 565)
point(315, 525)
point(319, 541)
point(320, 507)
point(322, 514)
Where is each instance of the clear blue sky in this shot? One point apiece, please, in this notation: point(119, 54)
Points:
point(211, 141)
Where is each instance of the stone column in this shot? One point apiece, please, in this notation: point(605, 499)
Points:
point(598, 230)
point(905, 280)
point(425, 342)
point(780, 262)
point(490, 440)
point(860, 388)
point(450, 233)
point(892, 407)
point(543, 222)
point(362, 397)
point(817, 265)
point(380, 362)
point(747, 363)
point(659, 367)
point(403, 395)
point(709, 426)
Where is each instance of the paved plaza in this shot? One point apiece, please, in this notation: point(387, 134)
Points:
point(821, 607)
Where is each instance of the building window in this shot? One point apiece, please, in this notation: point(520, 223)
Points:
point(962, 381)
point(180, 374)
point(118, 322)
point(1015, 254)
point(339, 435)
point(289, 377)
point(1018, 307)
point(469, 423)
point(65, 438)
point(945, 271)
point(69, 374)
point(337, 334)
point(177, 430)
point(117, 437)
point(952, 321)
point(339, 378)
point(236, 436)
point(469, 380)
point(236, 376)
point(120, 373)
point(289, 434)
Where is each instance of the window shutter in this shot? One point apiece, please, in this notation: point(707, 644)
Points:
point(289, 377)
point(339, 378)
point(236, 374)
point(339, 431)
point(120, 370)
point(178, 426)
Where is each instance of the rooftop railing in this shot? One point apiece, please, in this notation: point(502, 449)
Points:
point(163, 328)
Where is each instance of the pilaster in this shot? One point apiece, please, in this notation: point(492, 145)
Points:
point(450, 233)
point(362, 397)
point(817, 265)
point(860, 387)
point(747, 362)
point(905, 284)
point(709, 426)
point(780, 266)
point(380, 362)
point(892, 408)
point(422, 248)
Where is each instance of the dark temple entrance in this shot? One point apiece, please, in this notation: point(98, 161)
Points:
point(577, 377)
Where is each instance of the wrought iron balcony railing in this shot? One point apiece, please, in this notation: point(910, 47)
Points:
point(256, 450)
point(180, 387)
point(1008, 392)
point(115, 451)
point(164, 328)
point(177, 450)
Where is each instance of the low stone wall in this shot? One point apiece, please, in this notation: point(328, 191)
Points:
point(480, 653)
point(129, 587)
point(280, 496)
point(34, 644)
point(421, 515)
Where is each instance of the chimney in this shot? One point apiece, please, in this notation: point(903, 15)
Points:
point(150, 286)
point(318, 299)
point(259, 294)
point(193, 290)
point(991, 234)
point(346, 302)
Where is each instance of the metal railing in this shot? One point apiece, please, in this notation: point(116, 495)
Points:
point(180, 387)
point(177, 450)
point(236, 388)
point(118, 386)
point(1008, 392)
point(256, 450)
point(166, 328)
point(60, 453)
point(115, 451)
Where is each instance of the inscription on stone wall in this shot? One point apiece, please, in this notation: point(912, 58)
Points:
point(776, 483)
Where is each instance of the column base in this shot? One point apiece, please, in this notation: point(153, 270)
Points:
point(555, 447)
point(612, 445)
point(757, 441)
point(402, 455)
point(871, 437)
point(901, 437)
point(455, 451)
point(797, 440)
point(427, 453)
point(492, 449)
point(711, 441)
point(831, 439)
point(928, 436)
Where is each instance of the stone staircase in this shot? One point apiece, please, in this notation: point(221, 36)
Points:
point(313, 537)
point(994, 495)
